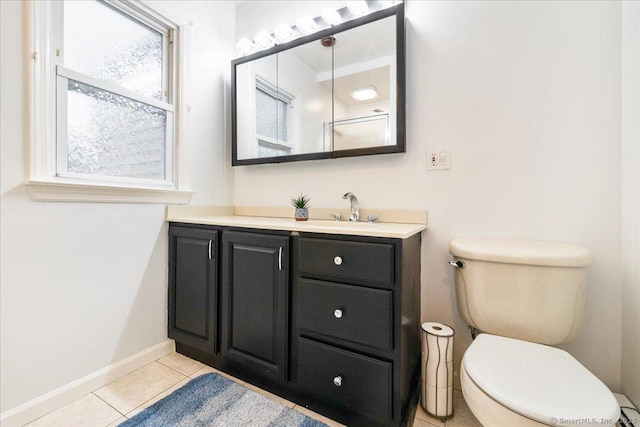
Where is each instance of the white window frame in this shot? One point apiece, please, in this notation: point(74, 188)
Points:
point(47, 177)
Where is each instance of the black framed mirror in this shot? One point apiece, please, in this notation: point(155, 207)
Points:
point(339, 92)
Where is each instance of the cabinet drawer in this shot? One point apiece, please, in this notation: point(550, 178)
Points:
point(353, 313)
point(359, 261)
point(359, 383)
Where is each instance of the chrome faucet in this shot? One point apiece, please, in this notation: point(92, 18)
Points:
point(355, 206)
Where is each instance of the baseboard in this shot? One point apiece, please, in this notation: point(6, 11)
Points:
point(57, 398)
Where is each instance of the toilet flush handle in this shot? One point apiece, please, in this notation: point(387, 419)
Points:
point(457, 264)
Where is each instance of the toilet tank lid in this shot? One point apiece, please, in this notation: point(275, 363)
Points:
point(538, 381)
point(520, 251)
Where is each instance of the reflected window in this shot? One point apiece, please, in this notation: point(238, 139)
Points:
point(274, 120)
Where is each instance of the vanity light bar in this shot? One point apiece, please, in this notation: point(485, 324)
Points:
point(307, 25)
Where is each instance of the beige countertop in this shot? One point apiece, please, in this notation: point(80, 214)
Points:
point(377, 229)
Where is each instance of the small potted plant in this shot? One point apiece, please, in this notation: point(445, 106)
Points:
point(301, 203)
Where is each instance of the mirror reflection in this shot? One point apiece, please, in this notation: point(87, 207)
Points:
point(329, 97)
point(259, 128)
point(299, 69)
point(282, 107)
point(364, 69)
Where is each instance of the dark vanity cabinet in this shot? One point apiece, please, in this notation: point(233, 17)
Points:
point(330, 322)
point(193, 287)
point(255, 279)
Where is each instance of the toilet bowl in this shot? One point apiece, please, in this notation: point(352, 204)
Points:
point(525, 296)
point(509, 382)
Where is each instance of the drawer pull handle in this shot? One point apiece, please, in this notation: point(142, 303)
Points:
point(337, 260)
point(338, 314)
point(337, 381)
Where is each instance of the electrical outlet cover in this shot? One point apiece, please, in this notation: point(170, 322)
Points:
point(438, 158)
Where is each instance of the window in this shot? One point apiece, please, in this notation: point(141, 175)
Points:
point(107, 102)
point(274, 120)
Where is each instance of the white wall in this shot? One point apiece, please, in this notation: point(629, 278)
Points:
point(84, 285)
point(528, 97)
point(631, 201)
point(314, 101)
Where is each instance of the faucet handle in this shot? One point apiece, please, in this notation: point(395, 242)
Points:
point(372, 217)
point(336, 216)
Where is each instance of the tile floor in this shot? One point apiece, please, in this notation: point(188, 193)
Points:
point(125, 397)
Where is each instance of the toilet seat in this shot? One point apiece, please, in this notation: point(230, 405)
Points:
point(539, 382)
point(489, 412)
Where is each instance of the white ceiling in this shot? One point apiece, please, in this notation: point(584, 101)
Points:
point(342, 86)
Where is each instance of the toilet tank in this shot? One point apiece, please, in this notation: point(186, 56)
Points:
point(525, 289)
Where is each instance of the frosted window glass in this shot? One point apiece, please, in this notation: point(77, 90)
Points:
point(111, 135)
point(107, 45)
point(266, 117)
point(282, 121)
point(271, 116)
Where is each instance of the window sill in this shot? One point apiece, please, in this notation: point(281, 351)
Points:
point(47, 191)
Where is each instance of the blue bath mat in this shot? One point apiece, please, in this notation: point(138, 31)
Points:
point(211, 400)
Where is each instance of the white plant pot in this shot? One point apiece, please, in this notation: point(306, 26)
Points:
point(302, 214)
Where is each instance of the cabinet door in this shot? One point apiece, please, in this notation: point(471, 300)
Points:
point(255, 302)
point(193, 287)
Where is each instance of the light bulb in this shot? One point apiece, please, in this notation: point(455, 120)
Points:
point(245, 46)
point(306, 25)
point(388, 3)
point(283, 32)
point(331, 16)
point(358, 8)
point(264, 40)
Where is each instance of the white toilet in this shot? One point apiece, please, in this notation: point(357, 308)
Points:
point(525, 296)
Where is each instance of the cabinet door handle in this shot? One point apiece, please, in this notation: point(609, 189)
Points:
point(337, 381)
point(338, 314)
point(280, 259)
point(337, 260)
point(210, 241)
